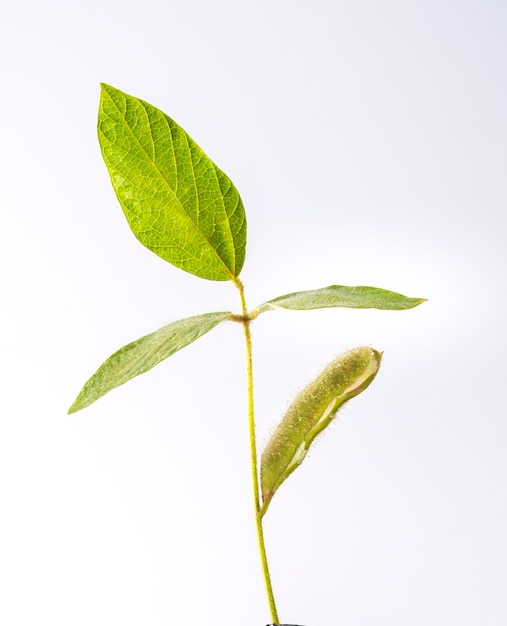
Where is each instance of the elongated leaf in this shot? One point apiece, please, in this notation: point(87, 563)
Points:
point(312, 410)
point(141, 355)
point(178, 203)
point(340, 296)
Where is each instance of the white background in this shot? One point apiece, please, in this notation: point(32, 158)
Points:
point(368, 140)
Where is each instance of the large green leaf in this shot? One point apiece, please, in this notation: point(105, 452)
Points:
point(178, 203)
point(340, 296)
point(141, 355)
point(312, 410)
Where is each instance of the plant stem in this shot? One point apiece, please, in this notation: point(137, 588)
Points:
point(253, 455)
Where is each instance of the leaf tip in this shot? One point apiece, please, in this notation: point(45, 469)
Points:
point(420, 301)
point(75, 406)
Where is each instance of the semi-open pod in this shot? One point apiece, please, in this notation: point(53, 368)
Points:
point(312, 410)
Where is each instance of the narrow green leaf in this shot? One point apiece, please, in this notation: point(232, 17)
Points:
point(340, 296)
point(141, 355)
point(312, 410)
point(178, 203)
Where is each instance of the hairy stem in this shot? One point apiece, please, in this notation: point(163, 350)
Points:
point(245, 321)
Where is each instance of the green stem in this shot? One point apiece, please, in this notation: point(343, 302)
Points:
point(253, 455)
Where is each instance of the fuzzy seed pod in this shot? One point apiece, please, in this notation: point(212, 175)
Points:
point(311, 411)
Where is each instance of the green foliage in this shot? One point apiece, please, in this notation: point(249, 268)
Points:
point(176, 200)
point(182, 207)
point(140, 356)
point(312, 410)
point(340, 296)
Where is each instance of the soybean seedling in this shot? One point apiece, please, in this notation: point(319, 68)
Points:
point(183, 208)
